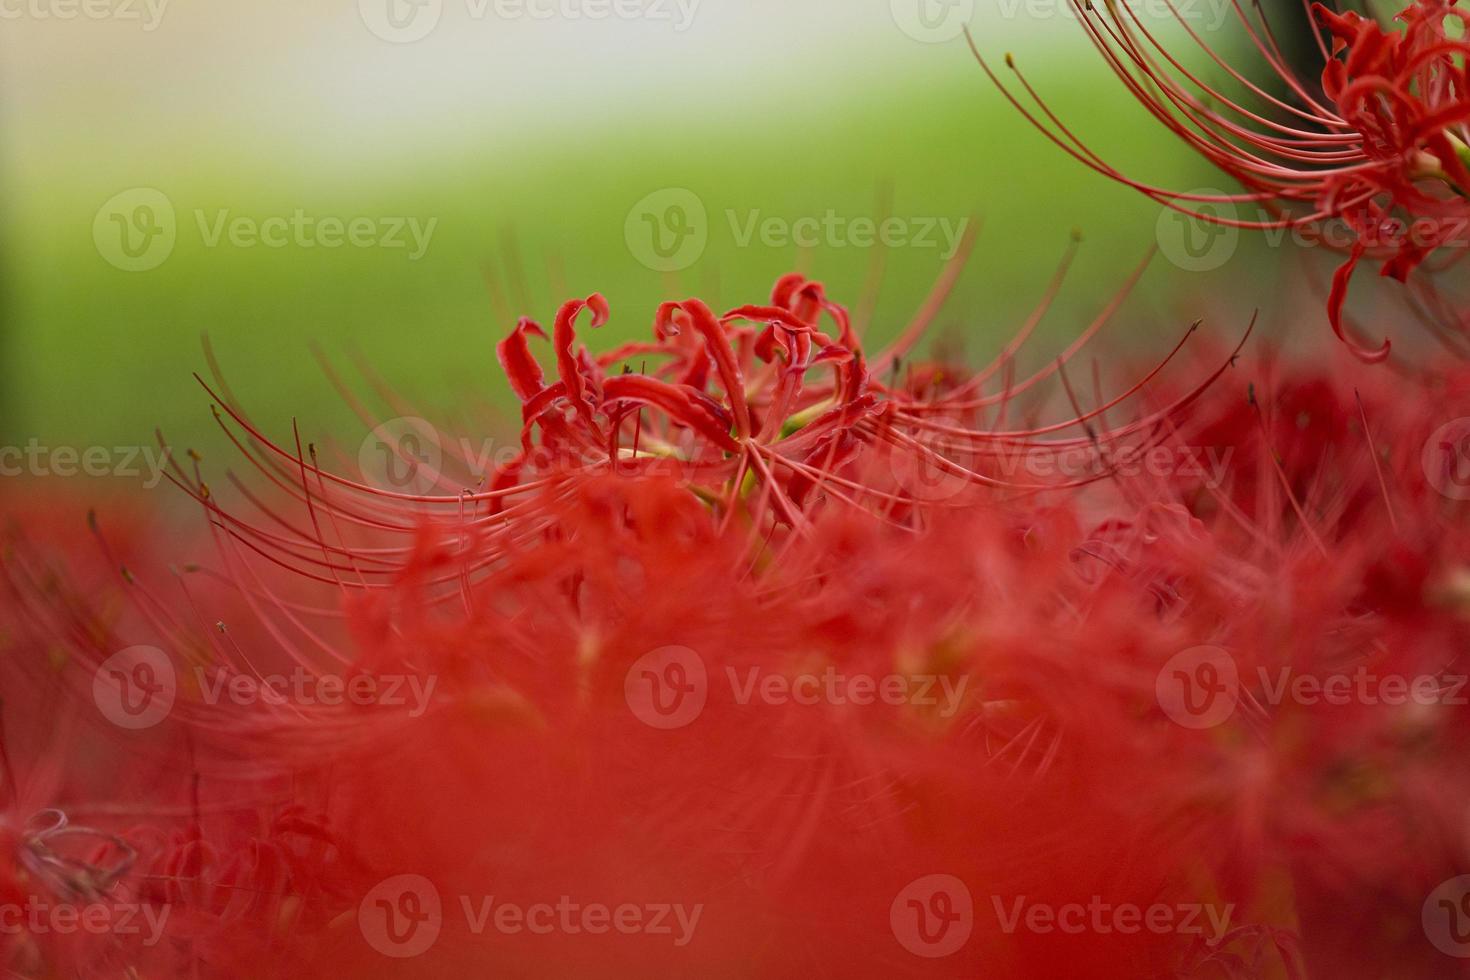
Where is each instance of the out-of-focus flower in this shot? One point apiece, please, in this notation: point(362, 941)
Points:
point(973, 686)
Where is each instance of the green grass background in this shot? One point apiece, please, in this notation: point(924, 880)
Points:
point(98, 356)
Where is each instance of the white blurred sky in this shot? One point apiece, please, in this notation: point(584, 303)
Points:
point(294, 73)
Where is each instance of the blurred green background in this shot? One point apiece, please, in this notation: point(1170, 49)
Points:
point(540, 133)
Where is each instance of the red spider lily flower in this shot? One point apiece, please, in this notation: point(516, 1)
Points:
point(656, 667)
point(766, 413)
point(1383, 145)
point(1053, 776)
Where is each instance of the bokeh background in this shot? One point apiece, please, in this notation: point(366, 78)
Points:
point(524, 142)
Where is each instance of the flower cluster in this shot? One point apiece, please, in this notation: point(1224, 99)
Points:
point(602, 633)
point(770, 652)
point(763, 416)
point(1381, 144)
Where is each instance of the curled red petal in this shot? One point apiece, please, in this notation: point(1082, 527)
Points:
point(1338, 297)
point(715, 338)
point(835, 353)
point(665, 321)
point(597, 303)
point(785, 288)
point(569, 366)
point(840, 316)
point(514, 354)
point(687, 405)
point(766, 314)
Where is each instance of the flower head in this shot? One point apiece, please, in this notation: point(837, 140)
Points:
point(1382, 144)
point(886, 679)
